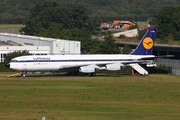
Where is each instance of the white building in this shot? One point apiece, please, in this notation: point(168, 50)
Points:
point(128, 33)
point(41, 50)
point(57, 46)
point(37, 45)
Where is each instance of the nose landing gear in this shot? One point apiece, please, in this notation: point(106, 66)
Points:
point(23, 74)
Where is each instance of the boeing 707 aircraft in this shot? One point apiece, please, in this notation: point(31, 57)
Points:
point(85, 63)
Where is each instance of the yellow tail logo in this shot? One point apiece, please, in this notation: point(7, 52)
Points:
point(148, 43)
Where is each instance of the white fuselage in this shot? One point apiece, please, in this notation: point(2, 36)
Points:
point(60, 62)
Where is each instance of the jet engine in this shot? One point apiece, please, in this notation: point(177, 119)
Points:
point(113, 67)
point(87, 69)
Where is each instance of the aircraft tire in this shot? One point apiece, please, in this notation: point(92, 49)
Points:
point(92, 74)
point(23, 74)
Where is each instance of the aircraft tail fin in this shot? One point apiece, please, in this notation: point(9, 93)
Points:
point(145, 47)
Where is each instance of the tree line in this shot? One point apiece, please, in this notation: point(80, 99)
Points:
point(164, 14)
point(167, 21)
point(51, 19)
point(14, 11)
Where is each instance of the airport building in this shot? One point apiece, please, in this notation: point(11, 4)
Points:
point(37, 45)
point(40, 50)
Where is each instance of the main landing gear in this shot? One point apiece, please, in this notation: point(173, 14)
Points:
point(75, 73)
point(92, 74)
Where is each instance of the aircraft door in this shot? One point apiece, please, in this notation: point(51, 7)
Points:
point(24, 64)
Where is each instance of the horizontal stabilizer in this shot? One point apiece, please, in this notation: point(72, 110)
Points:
point(163, 56)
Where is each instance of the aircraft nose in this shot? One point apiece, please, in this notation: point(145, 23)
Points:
point(7, 65)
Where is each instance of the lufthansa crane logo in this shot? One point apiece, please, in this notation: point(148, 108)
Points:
point(148, 43)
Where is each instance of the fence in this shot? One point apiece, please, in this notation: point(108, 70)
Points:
point(172, 63)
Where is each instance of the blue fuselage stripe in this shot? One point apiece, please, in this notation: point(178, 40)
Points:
point(97, 60)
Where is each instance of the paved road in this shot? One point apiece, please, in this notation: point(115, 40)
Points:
point(9, 31)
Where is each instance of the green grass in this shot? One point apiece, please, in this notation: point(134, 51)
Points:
point(11, 26)
point(142, 23)
point(91, 98)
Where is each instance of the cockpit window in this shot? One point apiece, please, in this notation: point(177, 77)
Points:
point(13, 60)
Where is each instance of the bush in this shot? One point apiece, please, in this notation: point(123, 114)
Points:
point(5, 69)
point(122, 36)
point(158, 70)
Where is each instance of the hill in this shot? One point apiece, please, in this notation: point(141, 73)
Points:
point(16, 11)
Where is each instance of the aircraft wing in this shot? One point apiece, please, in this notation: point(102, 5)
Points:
point(97, 66)
point(131, 62)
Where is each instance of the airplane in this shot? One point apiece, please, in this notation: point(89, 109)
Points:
point(89, 64)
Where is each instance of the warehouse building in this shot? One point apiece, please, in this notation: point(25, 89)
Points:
point(34, 50)
point(37, 45)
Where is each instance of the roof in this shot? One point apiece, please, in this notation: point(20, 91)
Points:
point(31, 37)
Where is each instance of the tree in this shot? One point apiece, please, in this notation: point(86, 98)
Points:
point(11, 55)
point(141, 33)
point(44, 16)
point(40, 18)
point(126, 49)
point(50, 19)
point(108, 46)
point(167, 22)
point(78, 16)
point(93, 25)
point(15, 11)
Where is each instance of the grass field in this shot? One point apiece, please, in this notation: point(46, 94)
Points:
point(153, 97)
point(11, 26)
point(19, 26)
point(140, 23)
